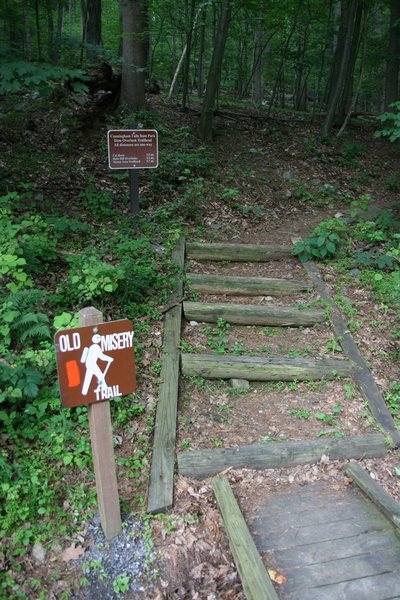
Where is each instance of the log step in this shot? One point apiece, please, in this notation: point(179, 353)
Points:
point(237, 252)
point(213, 366)
point(245, 286)
point(205, 463)
point(252, 314)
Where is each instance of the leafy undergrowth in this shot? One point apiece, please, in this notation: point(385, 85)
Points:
point(69, 241)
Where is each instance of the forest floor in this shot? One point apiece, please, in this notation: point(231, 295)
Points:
point(272, 181)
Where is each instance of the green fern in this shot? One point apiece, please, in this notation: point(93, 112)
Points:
point(23, 322)
point(31, 325)
point(26, 300)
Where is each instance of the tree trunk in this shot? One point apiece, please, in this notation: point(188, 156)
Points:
point(200, 66)
point(93, 22)
point(60, 20)
point(134, 53)
point(302, 71)
point(50, 33)
point(27, 32)
point(280, 75)
point(393, 56)
point(257, 62)
point(343, 66)
point(214, 75)
point(345, 103)
point(186, 72)
point(361, 75)
point(38, 34)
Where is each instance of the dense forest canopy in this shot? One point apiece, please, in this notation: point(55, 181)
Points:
point(337, 56)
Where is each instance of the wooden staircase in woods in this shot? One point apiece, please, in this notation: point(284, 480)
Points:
point(205, 463)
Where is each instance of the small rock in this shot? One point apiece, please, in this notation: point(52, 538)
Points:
point(239, 384)
point(287, 175)
point(38, 552)
point(331, 189)
point(193, 323)
point(355, 272)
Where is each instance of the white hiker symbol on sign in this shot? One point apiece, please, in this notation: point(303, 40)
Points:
point(90, 357)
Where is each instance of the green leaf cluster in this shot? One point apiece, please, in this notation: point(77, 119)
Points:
point(392, 132)
point(21, 75)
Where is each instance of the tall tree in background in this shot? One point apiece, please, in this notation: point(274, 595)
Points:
point(342, 71)
point(393, 57)
point(134, 19)
point(214, 75)
point(91, 18)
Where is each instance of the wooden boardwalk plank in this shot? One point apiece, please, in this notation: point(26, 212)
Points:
point(362, 374)
point(378, 587)
point(299, 556)
point(163, 459)
point(204, 463)
point(237, 252)
point(329, 558)
point(252, 314)
point(255, 579)
point(213, 366)
point(364, 565)
point(245, 286)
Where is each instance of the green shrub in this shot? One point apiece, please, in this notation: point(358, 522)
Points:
point(392, 182)
point(392, 132)
point(325, 242)
point(89, 279)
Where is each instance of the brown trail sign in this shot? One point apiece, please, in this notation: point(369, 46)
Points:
point(95, 363)
point(133, 149)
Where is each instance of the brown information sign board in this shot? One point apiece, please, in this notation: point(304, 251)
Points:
point(133, 149)
point(95, 363)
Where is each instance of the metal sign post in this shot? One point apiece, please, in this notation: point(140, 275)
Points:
point(95, 362)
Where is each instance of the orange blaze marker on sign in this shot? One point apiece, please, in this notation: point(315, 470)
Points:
point(95, 363)
point(73, 374)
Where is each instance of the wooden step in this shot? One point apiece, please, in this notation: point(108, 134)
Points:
point(237, 252)
point(205, 463)
point(252, 314)
point(245, 286)
point(213, 366)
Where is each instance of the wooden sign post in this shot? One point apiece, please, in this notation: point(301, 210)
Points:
point(103, 450)
point(95, 363)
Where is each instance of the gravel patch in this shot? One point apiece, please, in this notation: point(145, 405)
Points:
point(116, 568)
